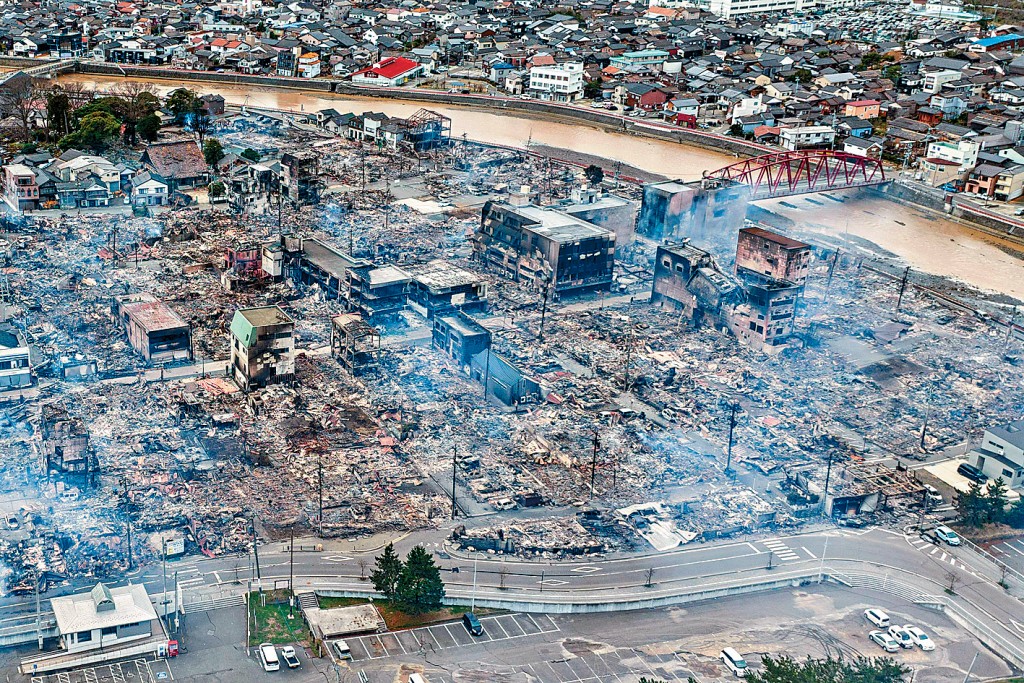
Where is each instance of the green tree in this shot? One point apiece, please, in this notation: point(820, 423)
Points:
point(386, 572)
point(58, 113)
point(250, 154)
point(996, 501)
point(592, 89)
point(184, 104)
point(870, 60)
point(785, 669)
point(95, 132)
point(893, 72)
point(216, 189)
point(1015, 515)
point(420, 587)
point(971, 505)
point(213, 152)
point(594, 174)
point(149, 127)
point(736, 130)
point(802, 76)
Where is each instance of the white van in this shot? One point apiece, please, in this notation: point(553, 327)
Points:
point(342, 651)
point(734, 662)
point(268, 657)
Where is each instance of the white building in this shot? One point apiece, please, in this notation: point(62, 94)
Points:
point(731, 8)
point(748, 106)
point(557, 83)
point(964, 153)
point(15, 359)
point(149, 189)
point(105, 618)
point(934, 80)
point(806, 137)
point(1001, 454)
point(309, 65)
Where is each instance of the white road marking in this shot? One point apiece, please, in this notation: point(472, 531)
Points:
point(934, 550)
point(809, 552)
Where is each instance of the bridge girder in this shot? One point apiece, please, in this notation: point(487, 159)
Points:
point(782, 174)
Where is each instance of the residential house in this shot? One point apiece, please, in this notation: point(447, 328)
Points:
point(179, 163)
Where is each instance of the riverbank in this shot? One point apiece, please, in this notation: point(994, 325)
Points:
point(980, 260)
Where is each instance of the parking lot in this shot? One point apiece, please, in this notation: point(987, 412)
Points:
point(448, 636)
point(131, 671)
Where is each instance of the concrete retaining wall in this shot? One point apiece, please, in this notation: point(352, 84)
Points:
point(908, 194)
point(202, 76)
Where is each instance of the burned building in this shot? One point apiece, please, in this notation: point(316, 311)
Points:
point(355, 344)
point(764, 255)
point(502, 379)
point(764, 320)
point(707, 211)
point(544, 247)
point(158, 333)
point(262, 347)
point(441, 286)
point(675, 266)
point(459, 336)
point(300, 176)
point(424, 131)
point(15, 359)
point(604, 210)
point(64, 442)
point(378, 292)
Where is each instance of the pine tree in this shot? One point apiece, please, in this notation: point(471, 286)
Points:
point(996, 501)
point(971, 506)
point(387, 572)
point(420, 587)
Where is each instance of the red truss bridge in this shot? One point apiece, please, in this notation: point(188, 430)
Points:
point(783, 174)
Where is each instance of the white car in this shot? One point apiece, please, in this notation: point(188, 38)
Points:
point(900, 635)
point(946, 535)
point(884, 641)
point(877, 617)
point(920, 638)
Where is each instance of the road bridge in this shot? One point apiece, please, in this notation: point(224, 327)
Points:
point(782, 174)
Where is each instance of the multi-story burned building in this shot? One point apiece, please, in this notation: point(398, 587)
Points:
point(707, 211)
point(262, 347)
point(604, 210)
point(158, 333)
point(355, 343)
point(459, 336)
point(441, 286)
point(544, 247)
point(758, 313)
point(64, 442)
point(15, 359)
point(300, 176)
point(764, 255)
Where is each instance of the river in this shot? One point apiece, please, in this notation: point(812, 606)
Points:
point(926, 241)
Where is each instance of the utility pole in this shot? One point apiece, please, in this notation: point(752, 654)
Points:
point(163, 598)
point(291, 572)
point(593, 466)
point(39, 625)
point(831, 269)
point(629, 352)
point(543, 312)
point(1009, 330)
point(455, 453)
point(828, 476)
point(732, 426)
point(971, 668)
point(903, 286)
point(320, 480)
point(256, 553)
point(130, 562)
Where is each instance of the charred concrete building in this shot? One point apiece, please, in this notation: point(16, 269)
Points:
point(764, 320)
point(158, 333)
point(355, 343)
point(262, 347)
point(442, 286)
point(764, 255)
point(544, 247)
point(606, 211)
point(15, 359)
point(708, 212)
point(459, 336)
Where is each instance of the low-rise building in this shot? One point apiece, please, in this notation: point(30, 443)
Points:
point(262, 347)
point(149, 189)
point(806, 137)
point(15, 359)
point(153, 328)
point(21, 191)
point(105, 618)
point(557, 82)
point(764, 255)
point(459, 336)
point(443, 286)
point(1001, 453)
point(391, 72)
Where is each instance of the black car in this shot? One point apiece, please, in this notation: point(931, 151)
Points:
point(971, 472)
point(472, 624)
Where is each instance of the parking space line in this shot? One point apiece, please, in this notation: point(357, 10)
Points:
point(934, 550)
point(498, 622)
point(535, 674)
point(608, 666)
point(457, 643)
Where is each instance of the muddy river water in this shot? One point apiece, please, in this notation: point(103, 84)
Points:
point(924, 240)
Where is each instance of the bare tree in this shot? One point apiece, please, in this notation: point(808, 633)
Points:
point(363, 564)
point(650, 577)
point(952, 579)
point(21, 98)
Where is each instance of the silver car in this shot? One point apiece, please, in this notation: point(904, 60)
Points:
point(884, 641)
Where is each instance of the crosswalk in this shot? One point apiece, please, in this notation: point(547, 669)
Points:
point(781, 550)
point(937, 552)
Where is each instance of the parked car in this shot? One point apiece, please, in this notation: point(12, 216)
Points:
point(877, 617)
point(734, 662)
point(968, 470)
point(884, 641)
point(900, 635)
point(472, 624)
point(341, 650)
point(932, 495)
point(13, 523)
point(920, 638)
point(268, 657)
point(946, 535)
point(291, 659)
